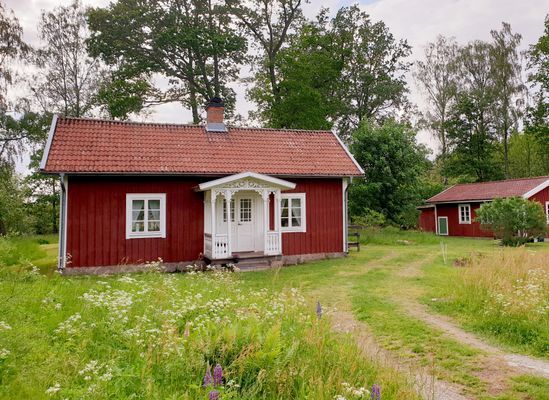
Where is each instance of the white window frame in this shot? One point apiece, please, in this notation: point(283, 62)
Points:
point(130, 197)
point(461, 220)
point(547, 211)
point(289, 197)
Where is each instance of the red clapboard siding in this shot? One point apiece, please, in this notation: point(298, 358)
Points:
point(324, 203)
point(427, 220)
point(96, 234)
point(455, 228)
point(542, 197)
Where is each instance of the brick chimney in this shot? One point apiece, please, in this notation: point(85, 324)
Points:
point(215, 111)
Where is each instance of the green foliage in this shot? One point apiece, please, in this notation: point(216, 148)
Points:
point(309, 72)
point(13, 216)
point(394, 164)
point(153, 335)
point(333, 71)
point(120, 97)
point(190, 42)
point(68, 78)
point(473, 140)
point(527, 156)
point(514, 220)
point(369, 218)
point(537, 118)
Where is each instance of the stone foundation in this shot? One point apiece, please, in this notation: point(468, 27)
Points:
point(181, 266)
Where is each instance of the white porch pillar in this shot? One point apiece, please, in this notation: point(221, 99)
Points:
point(228, 195)
point(277, 219)
point(213, 197)
point(265, 195)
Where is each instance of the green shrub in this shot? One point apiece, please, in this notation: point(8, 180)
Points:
point(514, 220)
point(369, 218)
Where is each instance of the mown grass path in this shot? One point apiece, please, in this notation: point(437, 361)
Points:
point(376, 296)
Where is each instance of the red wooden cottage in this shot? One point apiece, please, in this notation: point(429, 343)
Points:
point(452, 212)
point(136, 192)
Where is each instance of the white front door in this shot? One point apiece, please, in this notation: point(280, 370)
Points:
point(245, 223)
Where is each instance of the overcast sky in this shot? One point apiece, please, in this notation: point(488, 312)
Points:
point(418, 21)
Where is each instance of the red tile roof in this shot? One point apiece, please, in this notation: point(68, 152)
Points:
point(99, 146)
point(488, 190)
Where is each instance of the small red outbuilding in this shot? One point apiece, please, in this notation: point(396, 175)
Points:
point(136, 192)
point(452, 212)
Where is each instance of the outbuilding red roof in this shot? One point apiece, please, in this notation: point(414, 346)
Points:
point(100, 146)
point(490, 190)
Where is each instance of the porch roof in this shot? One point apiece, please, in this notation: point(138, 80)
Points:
point(267, 180)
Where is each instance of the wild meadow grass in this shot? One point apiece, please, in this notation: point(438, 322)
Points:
point(504, 294)
point(154, 336)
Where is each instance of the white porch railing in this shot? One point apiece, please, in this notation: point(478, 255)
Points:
point(217, 248)
point(272, 243)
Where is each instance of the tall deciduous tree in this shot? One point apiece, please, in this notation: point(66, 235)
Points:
point(506, 71)
point(12, 47)
point(374, 73)
point(69, 79)
point(268, 24)
point(191, 42)
point(472, 126)
point(437, 75)
point(309, 70)
point(537, 118)
point(394, 164)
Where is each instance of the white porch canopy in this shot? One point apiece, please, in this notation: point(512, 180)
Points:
point(237, 215)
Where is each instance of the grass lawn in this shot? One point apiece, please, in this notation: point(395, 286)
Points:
point(152, 335)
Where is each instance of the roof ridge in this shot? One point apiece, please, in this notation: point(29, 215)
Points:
point(114, 121)
point(501, 180)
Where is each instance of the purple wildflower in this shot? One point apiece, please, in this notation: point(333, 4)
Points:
point(218, 375)
point(375, 392)
point(318, 310)
point(214, 395)
point(207, 377)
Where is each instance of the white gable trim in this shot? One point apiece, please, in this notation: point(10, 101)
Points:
point(48, 143)
point(535, 190)
point(282, 184)
point(348, 152)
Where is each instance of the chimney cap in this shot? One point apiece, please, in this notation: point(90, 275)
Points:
point(215, 102)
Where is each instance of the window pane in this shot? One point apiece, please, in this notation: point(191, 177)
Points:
point(154, 204)
point(284, 213)
point(138, 215)
point(245, 210)
point(296, 203)
point(296, 222)
point(284, 203)
point(138, 205)
point(285, 222)
point(138, 227)
point(154, 215)
point(154, 226)
point(296, 212)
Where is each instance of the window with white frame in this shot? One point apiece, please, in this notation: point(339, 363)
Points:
point(293, 212)
point(464, 213)
point(225, 210)
point(145, 215)
point(547, 211)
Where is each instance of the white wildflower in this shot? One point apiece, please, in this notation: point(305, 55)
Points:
point(4, 326)
point(53, 390)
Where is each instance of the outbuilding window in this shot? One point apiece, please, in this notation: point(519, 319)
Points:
point(293, 212)
point(464, 213)
point(547, 211)
point(145, 215)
